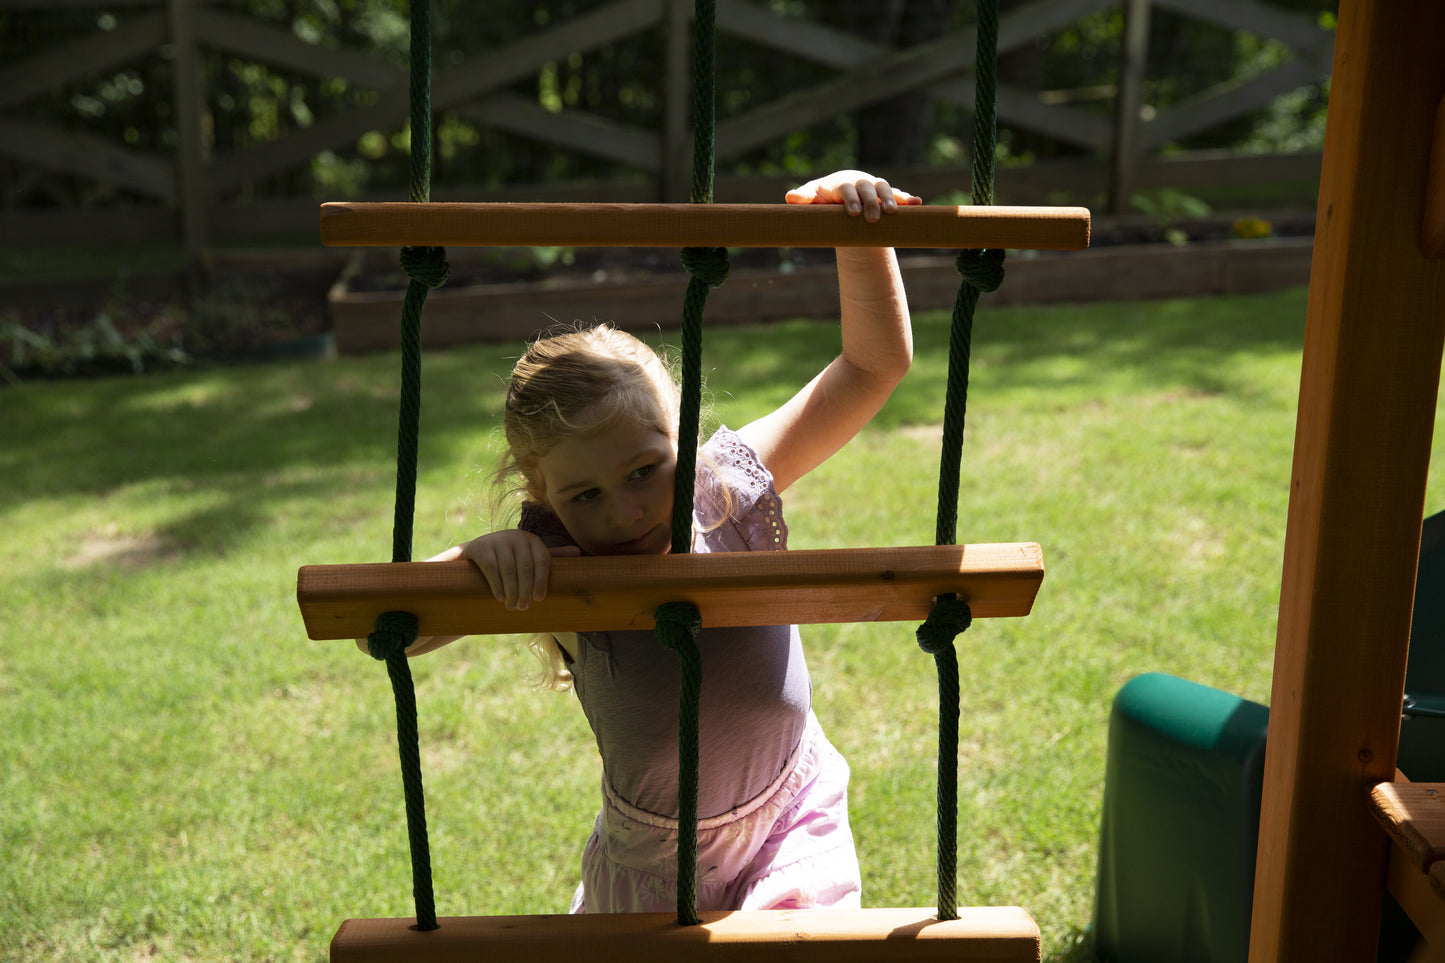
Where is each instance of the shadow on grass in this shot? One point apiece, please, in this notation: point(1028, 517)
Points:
point(231, 451)
point(234, 428)
point(236, 431)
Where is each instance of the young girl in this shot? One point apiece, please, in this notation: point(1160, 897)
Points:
point(591, 422)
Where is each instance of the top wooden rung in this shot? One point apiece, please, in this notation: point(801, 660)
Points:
point(347, 224)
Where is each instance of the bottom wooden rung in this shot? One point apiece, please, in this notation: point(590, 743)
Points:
point(1004, 934)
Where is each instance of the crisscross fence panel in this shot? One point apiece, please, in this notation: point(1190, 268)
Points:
point(189, 163)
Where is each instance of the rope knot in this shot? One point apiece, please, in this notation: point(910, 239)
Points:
point(677, 623)
point(981, 268)
point(707, 264)
point(426, 265)
point(393, 632)
point(949, 616)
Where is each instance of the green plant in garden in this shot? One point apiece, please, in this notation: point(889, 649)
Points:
point(226, 320)
point(96, 347)
point(1167, 207)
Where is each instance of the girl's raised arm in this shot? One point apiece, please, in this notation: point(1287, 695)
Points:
point(877, 341)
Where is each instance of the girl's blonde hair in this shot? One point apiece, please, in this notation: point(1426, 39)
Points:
point(573, 383)
point(576, 383)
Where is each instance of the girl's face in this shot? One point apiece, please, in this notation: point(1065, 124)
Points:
point(613, 489)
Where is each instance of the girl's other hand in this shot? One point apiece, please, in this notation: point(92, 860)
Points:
point(516, 564)
point(858, 191)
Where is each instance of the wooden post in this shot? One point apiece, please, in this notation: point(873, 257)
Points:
point(1371, 373)
point(676, 178)
point(189, 105)
point(1133, 58)
point(1432, 231)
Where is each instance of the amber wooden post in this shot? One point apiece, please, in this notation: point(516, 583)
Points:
point(1432, 231)
point(1376, 322)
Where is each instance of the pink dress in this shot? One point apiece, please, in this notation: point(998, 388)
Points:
point(772, 800)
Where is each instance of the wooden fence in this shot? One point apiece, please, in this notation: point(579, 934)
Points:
point(197, 194)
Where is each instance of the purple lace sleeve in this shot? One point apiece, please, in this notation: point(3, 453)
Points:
point(733, 482)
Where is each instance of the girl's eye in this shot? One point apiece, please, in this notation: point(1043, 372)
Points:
point(643, 472)
point(582, 498)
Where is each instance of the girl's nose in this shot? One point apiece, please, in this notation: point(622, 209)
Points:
point(626, 511)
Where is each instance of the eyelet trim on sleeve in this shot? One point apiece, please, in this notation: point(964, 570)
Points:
point(770, 506)
point(756, 507)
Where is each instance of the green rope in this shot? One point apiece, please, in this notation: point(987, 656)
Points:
point(677, 628)
point(704, 98)
point(981, 270)
point(707, 268)
point(388, 642)
point(426, 268)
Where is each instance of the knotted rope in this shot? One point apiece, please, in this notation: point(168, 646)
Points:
point(980, 270)
point(388, 643)
point(677, 627)
point(426, 268)
point(949, 617)
point(707, 268)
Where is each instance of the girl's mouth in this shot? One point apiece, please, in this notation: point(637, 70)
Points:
point(642, 544)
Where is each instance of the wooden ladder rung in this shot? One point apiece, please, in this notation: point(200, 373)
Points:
point(1413, 815)
point(1003, 934)
point(730, 589)
point(348, 224)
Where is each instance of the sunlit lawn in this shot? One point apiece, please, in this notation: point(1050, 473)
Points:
point(186, 776)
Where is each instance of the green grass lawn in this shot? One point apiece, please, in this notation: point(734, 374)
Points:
point(185, 776)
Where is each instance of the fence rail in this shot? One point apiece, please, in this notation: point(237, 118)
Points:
point(193, 191)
